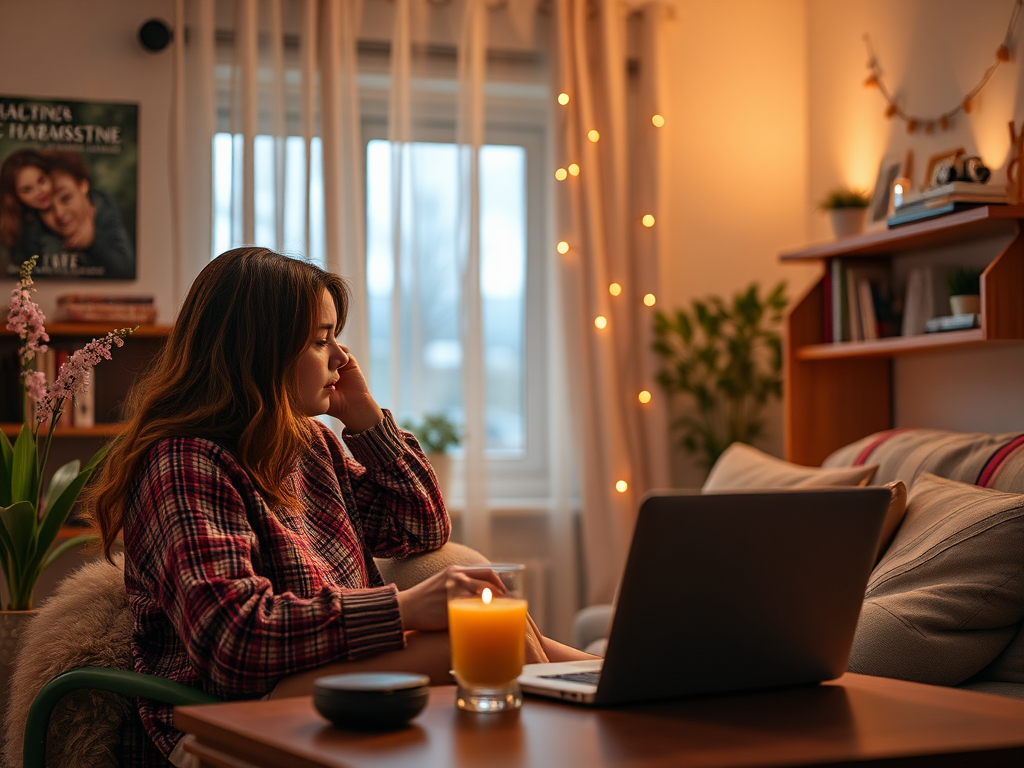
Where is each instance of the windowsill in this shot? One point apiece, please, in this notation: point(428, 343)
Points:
point(508, 508)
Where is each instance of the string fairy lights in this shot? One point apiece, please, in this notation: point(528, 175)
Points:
point(601, 322)
point(928, 124)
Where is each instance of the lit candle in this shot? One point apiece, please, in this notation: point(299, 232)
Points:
point(488, 638)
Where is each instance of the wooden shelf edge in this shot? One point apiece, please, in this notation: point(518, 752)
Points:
point(97, 329)
point(895, 346)
point(100, 430)
point(949, 228)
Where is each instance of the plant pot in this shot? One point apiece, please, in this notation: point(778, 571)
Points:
point(965, 304)
point(442, 464)
point(12, 627)
point(848, 221)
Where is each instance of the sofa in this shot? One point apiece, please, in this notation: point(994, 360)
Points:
point(945, 602)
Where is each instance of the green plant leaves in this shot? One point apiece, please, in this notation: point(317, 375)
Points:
point(726, 358)
point(24, 467)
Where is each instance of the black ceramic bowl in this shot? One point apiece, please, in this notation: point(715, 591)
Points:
point(371, 700)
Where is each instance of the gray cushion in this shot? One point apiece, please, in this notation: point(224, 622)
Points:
point(945, 598)
point(743, 466)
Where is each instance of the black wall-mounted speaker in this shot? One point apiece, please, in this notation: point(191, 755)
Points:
point(154, 35)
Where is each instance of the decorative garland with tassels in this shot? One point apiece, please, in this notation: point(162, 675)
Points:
point(874, 80)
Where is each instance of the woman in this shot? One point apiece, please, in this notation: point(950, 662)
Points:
point(26, 191)
point(249, 534)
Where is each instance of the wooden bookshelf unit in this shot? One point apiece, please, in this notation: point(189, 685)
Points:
point(111, 379)
point(838, 392)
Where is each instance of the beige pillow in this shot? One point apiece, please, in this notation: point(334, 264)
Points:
point(947, 595)
point(893, 516)
point(743, 466)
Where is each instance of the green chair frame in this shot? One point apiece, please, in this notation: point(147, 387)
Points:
point(100, 679)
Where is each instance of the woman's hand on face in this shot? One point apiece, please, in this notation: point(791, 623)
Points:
point(351, 401)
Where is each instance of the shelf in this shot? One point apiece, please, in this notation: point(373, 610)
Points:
point(836, 393)
point(94, 330)
point(895, 346)
point(973, 224)
point(100, 430)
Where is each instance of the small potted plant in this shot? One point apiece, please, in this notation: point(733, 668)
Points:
point(437, 435)
point(848, 209)
point(964, 285)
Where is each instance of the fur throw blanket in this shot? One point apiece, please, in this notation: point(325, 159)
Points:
point(85, 623)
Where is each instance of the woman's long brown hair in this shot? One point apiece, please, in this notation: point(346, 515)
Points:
point(226, 374)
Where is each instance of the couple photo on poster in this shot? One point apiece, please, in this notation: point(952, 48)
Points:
point(68, 188)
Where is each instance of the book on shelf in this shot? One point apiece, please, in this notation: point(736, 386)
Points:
point(859, 301)
point(907, 216)
point(965, 191)
point(85, 405)
point(101, 308)
point(924, 299)
point(953, 323)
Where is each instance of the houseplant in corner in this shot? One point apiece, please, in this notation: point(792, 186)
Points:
point(726, 359)
point(437, 434)
point(32, 510)
point(848, 210)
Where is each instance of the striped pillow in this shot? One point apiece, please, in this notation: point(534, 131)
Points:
point(948, 594)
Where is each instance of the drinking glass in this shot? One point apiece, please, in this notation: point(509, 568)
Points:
point(487, 627)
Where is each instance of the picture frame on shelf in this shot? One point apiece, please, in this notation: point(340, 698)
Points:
point(890, 169)
point(938, 164)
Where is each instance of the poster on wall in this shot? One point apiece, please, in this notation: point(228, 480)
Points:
point(68, 187)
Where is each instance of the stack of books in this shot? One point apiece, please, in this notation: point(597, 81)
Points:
point(100, 308)
point(938, 201)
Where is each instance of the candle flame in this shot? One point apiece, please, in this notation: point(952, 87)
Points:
point(486, 596)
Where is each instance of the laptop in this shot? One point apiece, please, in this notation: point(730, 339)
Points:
point(731, 592)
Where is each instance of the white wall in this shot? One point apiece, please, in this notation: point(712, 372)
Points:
point(736, 181)
point(89, 51)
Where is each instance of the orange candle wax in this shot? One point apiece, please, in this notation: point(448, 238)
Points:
point(488, 639)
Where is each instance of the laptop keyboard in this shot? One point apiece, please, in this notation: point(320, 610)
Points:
point(586, 678)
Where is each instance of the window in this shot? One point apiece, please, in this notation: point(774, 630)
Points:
point(514, 290)
point(429, 334)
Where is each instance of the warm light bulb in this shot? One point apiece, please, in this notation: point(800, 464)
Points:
point(614, 289)
point(560, 174)
point(648, 220)
point(563, 99)
point(486, 595)
point(898, 189)
point(574, 169)
point(593, 135)
point(644, 396)
point(621, 486)
point(601, 322)
point(563, 247)
point(658, 121)
point(649, 299)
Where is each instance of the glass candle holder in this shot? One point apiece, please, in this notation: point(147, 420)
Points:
point(487, 628)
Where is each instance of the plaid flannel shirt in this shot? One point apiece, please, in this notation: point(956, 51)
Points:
point(229, 595)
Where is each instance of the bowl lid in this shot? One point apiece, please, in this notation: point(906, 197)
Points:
point(372, 681)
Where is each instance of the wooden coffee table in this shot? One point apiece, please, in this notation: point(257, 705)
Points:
point(853, 720)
